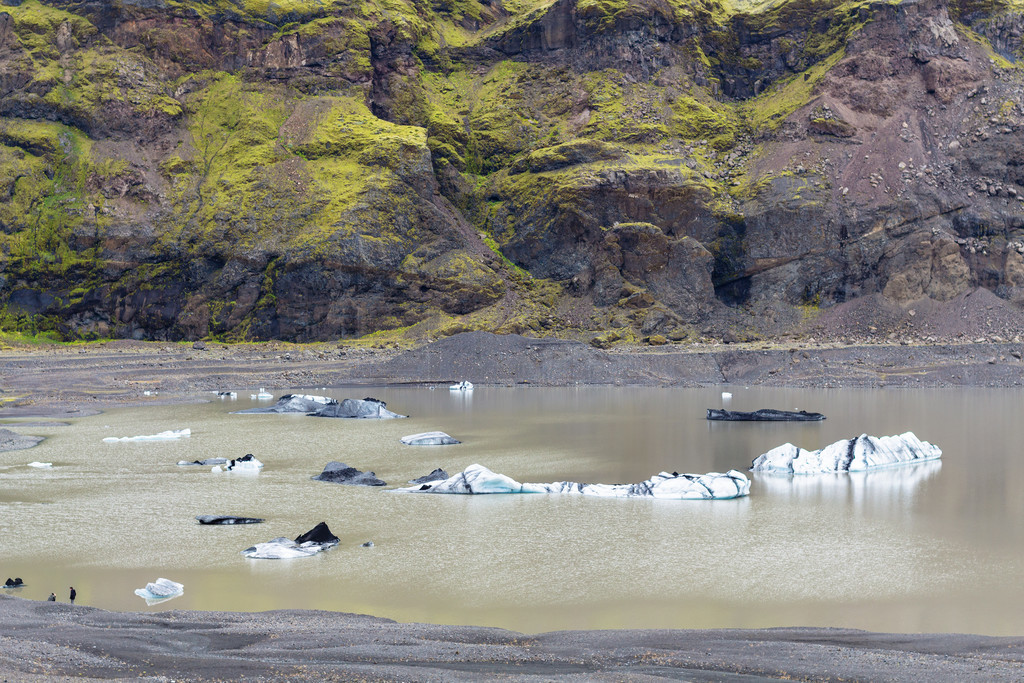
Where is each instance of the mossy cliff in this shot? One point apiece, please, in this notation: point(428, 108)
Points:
point(176, 169)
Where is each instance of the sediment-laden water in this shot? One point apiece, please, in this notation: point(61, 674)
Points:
point(934, 547)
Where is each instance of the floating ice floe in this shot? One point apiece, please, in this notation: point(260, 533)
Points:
point(263, 395)
point(207, 462)
point(322, 406)
point(763, 415)
point(477, 479)
point(462, 386)
point(160, 590)
point(316, 540)
point(849, 455)
point(247, 463)
point(227, 519)
point(367, 408)
point(169, 435)
point(339, 473)
point(429, 439)
point(41, 465)
point(294, 403)
point(230, 395)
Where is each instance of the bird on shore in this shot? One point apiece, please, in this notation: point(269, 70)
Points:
point(73, 594)
point(52, 598)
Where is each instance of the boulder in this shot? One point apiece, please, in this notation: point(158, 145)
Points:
point(339, 473)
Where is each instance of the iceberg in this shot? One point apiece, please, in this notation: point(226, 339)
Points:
point(247, 463)
point(462, 386)
point(293, 403)
point(232, 395)
point(160, 590)
point(367, 408)
point(849, 455)
point(263, 395)
point(208, 462)
point(437, 475)
point(40, 465)
point(429, 439)
point(169, 435)
point(227, 519)
point(763, 415)
point(339, 473)
point(477, 479)
point(316, 540)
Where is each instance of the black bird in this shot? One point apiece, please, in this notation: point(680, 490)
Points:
point(73, 594)
point(52, 598)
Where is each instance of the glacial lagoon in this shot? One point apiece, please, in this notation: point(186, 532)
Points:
point(935, 547)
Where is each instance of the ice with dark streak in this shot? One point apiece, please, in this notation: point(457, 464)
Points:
point(314, 541)
point(849, 455)
point(477, 479)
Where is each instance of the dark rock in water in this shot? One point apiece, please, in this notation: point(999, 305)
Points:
point(368, 544)
point(367, 408)
point(319, 534)
point(14, 583)
point(339, 473)
point(294, 403)
point(208, 461)
point(227, 519)
point(436, 475)
point(764, 415)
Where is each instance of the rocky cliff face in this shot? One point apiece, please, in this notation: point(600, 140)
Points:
point(184, 169)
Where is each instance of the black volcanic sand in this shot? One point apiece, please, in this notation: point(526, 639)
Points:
point(67, 382)
point(56, 640)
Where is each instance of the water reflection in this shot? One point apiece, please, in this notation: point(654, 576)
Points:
point(883, 491)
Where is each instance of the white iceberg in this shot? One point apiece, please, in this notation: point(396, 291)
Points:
point(849, 455)
point(263, 395)
point(169, 435)
point(429, 439)
point(41, 465)
point(462, 386)
point(160, 590)
point(316, 540)
point(477, 479)
point(247, 463)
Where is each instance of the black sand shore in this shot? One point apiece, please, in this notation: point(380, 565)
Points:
point(55, 641)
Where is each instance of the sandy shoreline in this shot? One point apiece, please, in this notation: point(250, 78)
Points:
point(52, 641)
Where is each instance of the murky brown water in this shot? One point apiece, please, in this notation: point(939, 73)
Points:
point(937, 547)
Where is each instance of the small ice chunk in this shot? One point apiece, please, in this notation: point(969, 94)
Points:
point(160, 590)
point(429, 439)
point(41, 465)
point(169, 435)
